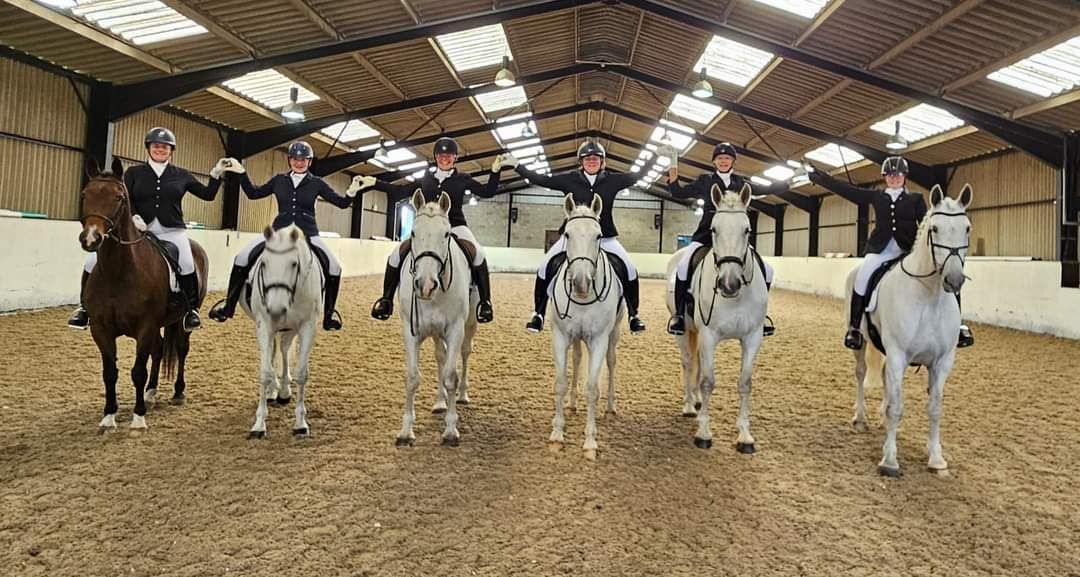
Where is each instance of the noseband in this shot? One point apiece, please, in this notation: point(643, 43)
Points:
point(953, 250)
point(110, 221)
point(600, 293)
point(290, 289)
point(741, 261)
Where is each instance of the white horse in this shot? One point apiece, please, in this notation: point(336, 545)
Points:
point(918, 318)
point(436, 301)
point(586, 297)
point(738, 313)
point(286, 302)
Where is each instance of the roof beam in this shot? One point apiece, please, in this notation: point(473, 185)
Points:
point(820, 19)
point(1044, 105)
point(979, 74)
point(1046, 146)
point(925, 32)
point(136, 96)
point(312, 15)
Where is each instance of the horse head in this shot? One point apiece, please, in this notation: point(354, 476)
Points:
point(285, 259)
point(104, 203)
point(948, 234)
point(731, 238)
point(582, 233)
point(430, 244)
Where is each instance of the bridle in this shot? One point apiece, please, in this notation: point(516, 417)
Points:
point(110, 221)
point(953, 250)
point(446, 265)
point(717, 262)
point(598, 294)
point(260, 279)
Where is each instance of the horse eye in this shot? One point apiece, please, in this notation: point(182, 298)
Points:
point(119, 197)
point(933, 229)
point(295, 264)
point(597, 236)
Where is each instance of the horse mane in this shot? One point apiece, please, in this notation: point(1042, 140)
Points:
point(430, 209)
point(947, 204)
point(583, 210)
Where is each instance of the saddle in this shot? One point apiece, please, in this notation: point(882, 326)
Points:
point(171, 253)
point(871, 301)
point(695, 260)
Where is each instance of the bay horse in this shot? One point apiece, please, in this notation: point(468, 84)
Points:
point(128, 294)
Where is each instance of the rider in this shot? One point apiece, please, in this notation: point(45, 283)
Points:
point(296, 192)
point(156, 190)
point(445, 178)
point(591, 180)
point(723, 156)
point(897, 214)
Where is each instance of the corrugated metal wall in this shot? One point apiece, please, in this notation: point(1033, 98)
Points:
point(198, 148)
point(44, 129)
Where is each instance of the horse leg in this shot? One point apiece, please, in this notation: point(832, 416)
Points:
point(412, 382)
point(307, 340)
point(181, 360)
point(284, 380)
point(750, 345)
point(558, 422)
point(267, 379)
point(895, 365)
point(143, 346)
point(859, 420)
point(613, 341)
point(466, 350)
point(597, 346)
point(575, 373)
point(440, 360)
point(688, 357)
point(107, 346)
point(449, 377)
point(155, 371)
point(707, 382)
point(936, 378)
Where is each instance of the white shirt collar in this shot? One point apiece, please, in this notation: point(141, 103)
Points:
point(158, 167)
point(894, 193)
point(725, 176)
point(441, 175)
point(297, 178)
point(590, 177)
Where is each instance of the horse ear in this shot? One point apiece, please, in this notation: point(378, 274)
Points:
point(418, 199)
point(444, 202)
point(117, 167)
point(295, 234)
point(268, 232)
point(597, 204)
point(716, 194)
point(936, 195)
point(966, 195)
point(91, 167)
point(568, 204)
point(746, 194)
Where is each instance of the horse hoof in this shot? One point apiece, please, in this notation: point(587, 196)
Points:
point(103, 430)
point(451, 441)
point(590, 454)
point(893, 472)
point(941, 473)
point(257, 435)
point(555, 446)
point(702, 443)
point(177, 400)
point(463, 402)
point(283, 401)
point(745, 448)
point(571, 410)
point(860, 426)
point(438, 410)
point(689, 414)
point(697, 406)
point(404, 442)
point(301, 432)
point(150, 395)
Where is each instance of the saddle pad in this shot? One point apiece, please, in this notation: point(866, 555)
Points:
point(875, 281)
point(171, 254)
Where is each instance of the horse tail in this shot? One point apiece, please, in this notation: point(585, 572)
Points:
point(174, 334)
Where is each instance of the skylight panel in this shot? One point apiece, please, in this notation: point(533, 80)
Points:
point(354, 130)
point(731, 62)
point(529, 152)
point(398, 155)
point(830, 154)
point(1047, 73)
point(805, 8)
point(917, 123)
point(693, 109)
point(139, 21)
point(506, 98)
point(679, 140)
point(475, 48)
point(406, 167)
point(760, 181)
point(508, 132)
point(268, 87)
point(779, 172)
point(530, 142)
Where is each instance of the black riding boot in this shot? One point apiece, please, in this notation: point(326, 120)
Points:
point(769, 329)
point(540, 298)
point(966, 338)
point(79, 319)
point(189, 285)
point(854, 338)
point(677, 324)
point(329, 323)
point(631, 292)
point(225, 308)
point(384, 307)
point(482, 279)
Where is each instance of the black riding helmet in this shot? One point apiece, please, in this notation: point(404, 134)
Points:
point(160, 135)
point(445, 145)
point(724, 148)
point(894, 165)
point(591, 148)
point(301, 149)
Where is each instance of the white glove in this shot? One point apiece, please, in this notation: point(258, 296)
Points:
point(506, 160)
point(215, 172)
point(496, 165)
point(140, 224)
point(233, 165)
point(359, 182)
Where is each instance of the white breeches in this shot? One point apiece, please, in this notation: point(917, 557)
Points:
point(684, 263)
point(610, 244)
point(871, 262)
point(243, 258)
point(177, 236)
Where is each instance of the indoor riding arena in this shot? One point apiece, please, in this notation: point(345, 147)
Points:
point(305, 166)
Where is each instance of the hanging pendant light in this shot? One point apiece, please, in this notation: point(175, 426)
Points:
point(896, 142)
point(703, 88)
point(504, 78)
point(380, 153)
point(528, 131)
point(801, 176)
point(293, 112)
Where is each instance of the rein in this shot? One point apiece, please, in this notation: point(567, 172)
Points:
point(446, 264)
point(121, 204)
point(953, 250)
point(597, 294)
point(291, 289)
point(717, 262)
